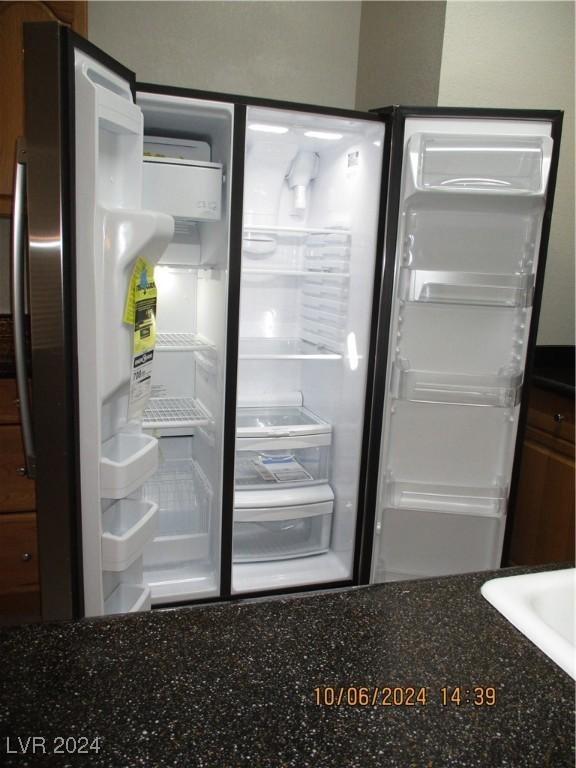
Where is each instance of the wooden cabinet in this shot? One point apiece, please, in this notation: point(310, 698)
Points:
point(19, 583)
point(12, 16)
point(543, 525)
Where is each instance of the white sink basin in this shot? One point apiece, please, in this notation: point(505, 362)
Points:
point(541, 606)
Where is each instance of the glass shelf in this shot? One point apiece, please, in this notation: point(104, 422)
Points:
point(448, 499)
point(502, 389)
point(284, 349)
point(466, 288)
point(174, 415)
point(272, 421)
point(296, 231)
point(181, 342)
point(279, 271)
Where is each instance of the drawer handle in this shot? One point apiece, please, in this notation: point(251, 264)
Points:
point(559, 418)
point(21, 471)
point(26, 557)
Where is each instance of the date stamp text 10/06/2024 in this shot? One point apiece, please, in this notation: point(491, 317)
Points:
point(405, 696)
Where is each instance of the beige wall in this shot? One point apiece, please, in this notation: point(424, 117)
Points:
point(521, 54)
point(400, 53)
point(298, 51)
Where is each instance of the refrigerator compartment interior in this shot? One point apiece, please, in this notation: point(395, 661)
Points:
point(498, 236)
point(502, 389)
point(127, 460)
point(127, 526)
point(190, 189)
point(430, 497)
point(284, 467)
point(430, 543)
point(480, 164)
point(128, 598)
point(184, 497)
point(284, 349)
point(175, 413)
point(182, 342)
point(273, 421)
point(432, 286)
point(281, 533)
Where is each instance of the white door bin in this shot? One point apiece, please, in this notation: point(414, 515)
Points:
point(127, 460)
point(128, 525)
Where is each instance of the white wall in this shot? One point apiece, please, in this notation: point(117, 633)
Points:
point(521, 54)
point(298, 51)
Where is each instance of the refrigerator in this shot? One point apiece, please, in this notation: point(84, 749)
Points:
point(249, 319)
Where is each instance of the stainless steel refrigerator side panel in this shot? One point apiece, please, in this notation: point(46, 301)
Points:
point(51, 319)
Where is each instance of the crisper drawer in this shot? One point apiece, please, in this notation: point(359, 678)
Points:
point(276, 462)
point(285, 531)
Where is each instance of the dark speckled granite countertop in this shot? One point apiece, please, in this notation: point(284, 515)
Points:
point(233, 685)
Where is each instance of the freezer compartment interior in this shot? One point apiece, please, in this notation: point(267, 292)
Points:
point(182, 559)
point(311, 210)
point(188, 146)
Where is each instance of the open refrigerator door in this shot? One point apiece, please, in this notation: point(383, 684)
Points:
point(472, 201)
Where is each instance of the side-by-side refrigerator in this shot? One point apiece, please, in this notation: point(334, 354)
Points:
point(204, 276)
point(274, 347)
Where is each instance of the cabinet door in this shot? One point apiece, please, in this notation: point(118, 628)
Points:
point(544, 520)
point(12, 16)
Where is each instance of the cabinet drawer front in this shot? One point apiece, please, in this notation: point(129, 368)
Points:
point(552, 412)
point(16, 492)
point(9, 411)
point(18, 545)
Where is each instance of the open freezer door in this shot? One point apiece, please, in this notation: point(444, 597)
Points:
point(468, 240)
point(92, 253)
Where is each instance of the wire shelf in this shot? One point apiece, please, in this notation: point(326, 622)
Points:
point(184, 497)
point(174, 412)
point(178, 342)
